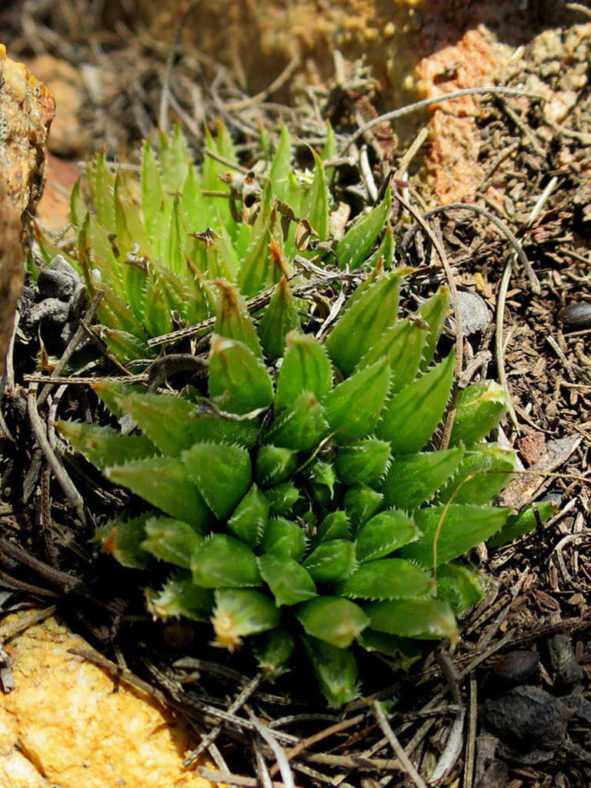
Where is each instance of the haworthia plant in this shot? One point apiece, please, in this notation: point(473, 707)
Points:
point(160, 245)
point(309, 501)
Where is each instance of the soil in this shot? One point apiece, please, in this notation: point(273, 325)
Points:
point(510, 706)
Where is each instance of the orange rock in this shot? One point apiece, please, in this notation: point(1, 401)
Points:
point(26, 112)
point(67, 724)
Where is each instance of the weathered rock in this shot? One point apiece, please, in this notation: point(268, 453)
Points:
point(68, 724)
point(26, 111)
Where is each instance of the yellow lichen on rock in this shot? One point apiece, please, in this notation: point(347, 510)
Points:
point(68, 724)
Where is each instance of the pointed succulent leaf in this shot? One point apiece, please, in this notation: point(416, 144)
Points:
point(363, 462)
point(354, 406)
point(273, 651)
point(414, 479)
point(239, 613)
point(423, 619)
point(179, 596)
point(402, 345)
point(164, 482)
point(123, 539)
point(460, 586)
point(388, 578)
point(237, 378)
point(102, 185)
point(411, 416)
point(281, 166)
point(332, 619)
point(402, 652)
point(105, 446)
point(274, 464)
point(331, 561)
point(490, 465)
point(335, 669)
point(334, 526)
point(171, 540)
point(479, 408)
point(361, 503)
point(384, 533)
point(78, 208)
point(448, 532)
point(363, 323)
point(222, 474)
point(300, 427)
point(305, 368)
point(384, 252)
point(175, 157)
point(152, 191)
point(124, 346)
point(524, 522)
point(316, 208)
point(329, 149)
point(289, 582)
point(284, 538)
point(256, 270)
point(353, 249)
point(282, 498)
point(433, 313)
point(174, 424)
point(321, 473)
point(279, 318)
point(221, 561)
point(249, 519)
point(233, 320)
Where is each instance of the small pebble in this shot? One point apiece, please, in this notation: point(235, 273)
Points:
point(516, 667)
point(576, 315)
point(475, 313)
point(562, 657)
point(528, 717)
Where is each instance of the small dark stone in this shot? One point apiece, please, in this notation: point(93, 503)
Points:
point(576, 315)
point(58, 280)
point(516, 667)
point(528, 717)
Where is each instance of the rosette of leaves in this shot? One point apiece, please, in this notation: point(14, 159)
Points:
point(154, 243)
point(305, 504)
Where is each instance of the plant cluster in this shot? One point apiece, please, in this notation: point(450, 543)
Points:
point(302, 503)
point(154, 245)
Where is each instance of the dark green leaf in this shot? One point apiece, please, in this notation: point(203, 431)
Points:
point(171, 540)
point(164, 482)
point(423, 619)
point(413, 479)
point(384, 533)
point(103, 445)
point(305, 368)
point(361, 503)
point(459, 586)
point(224, 562)
point(123, 539)
point(353, 249)
point(238, 380)
point(282, 498)
point(456, 531)
point(335, 669)
point(283, 537)
point(289, 582)
point(274, 464)
point(388, 578)
point(239, 613)
point(179, 596)
point(479, 408)
point(331, 561)
point(333, 620)
point(364, 462)
point(411, 416)
point(490, 465)
point(249, 519)
point(223, 474)
point(354, 406)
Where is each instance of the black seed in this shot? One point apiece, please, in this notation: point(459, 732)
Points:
point(576, 315)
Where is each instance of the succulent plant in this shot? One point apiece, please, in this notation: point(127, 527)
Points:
point(302, 501)
point(154, 244)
